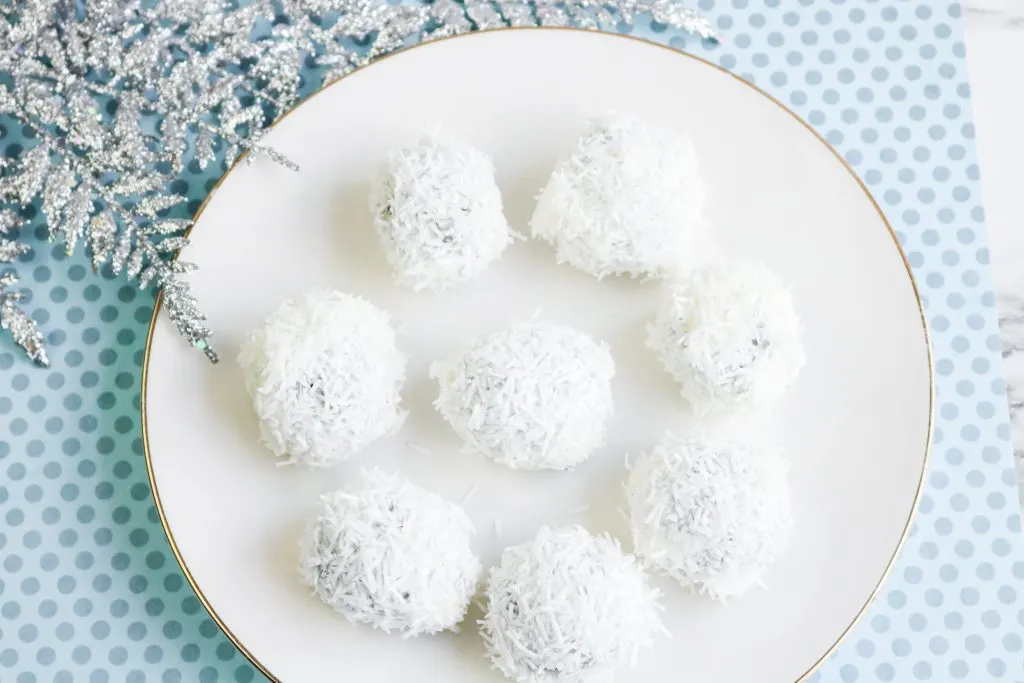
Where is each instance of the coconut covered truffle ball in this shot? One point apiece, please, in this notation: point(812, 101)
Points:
point(567, 606)
point(389, 554)
point(535, 396)
point(729, 335)
point(625, 201)
point(437, 210)
point(713, 515)
point(324, 376)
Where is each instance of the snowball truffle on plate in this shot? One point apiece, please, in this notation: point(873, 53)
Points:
point(729, 335)
point(324, 376)
point(535, 396)
point(712, 514)
point(567, 606)
point(437, 210)
point(624, 202)
point(389, 554)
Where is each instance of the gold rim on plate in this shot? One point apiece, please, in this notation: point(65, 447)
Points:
point(917, 296)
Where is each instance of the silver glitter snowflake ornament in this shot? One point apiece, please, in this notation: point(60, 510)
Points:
point(23, 329)
point(120, 95)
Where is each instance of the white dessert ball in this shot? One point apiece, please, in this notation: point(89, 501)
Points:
point(567, 607)
point(437, 210)
point(534, 396)
point(712, 514)
point(389, 554)
point(625, 201)
point(324, 376)
point(728, 333)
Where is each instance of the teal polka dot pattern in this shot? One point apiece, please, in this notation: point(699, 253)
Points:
point(90, 592)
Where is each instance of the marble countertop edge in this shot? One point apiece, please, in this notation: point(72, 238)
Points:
point(994, 37)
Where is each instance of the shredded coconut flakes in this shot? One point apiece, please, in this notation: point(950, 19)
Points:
point(438, 212)
point(625, 201)
point(535, 396)
point(714, 515)
point(419, 448)
point(324, 376)
point(389, 554)
point(729, 335)
point(567, 607)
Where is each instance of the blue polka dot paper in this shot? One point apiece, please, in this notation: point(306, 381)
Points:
point(90, 592)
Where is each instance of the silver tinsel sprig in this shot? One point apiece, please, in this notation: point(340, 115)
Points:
point(22, 328)
point(120, 95)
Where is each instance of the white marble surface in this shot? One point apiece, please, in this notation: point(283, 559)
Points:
point(995, 54)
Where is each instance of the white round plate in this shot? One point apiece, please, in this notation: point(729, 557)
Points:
point(856, 425)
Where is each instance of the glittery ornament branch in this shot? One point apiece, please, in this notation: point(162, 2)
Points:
point(121, 95)
point(23, 329)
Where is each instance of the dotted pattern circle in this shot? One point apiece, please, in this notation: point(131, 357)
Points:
point(89, 591)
